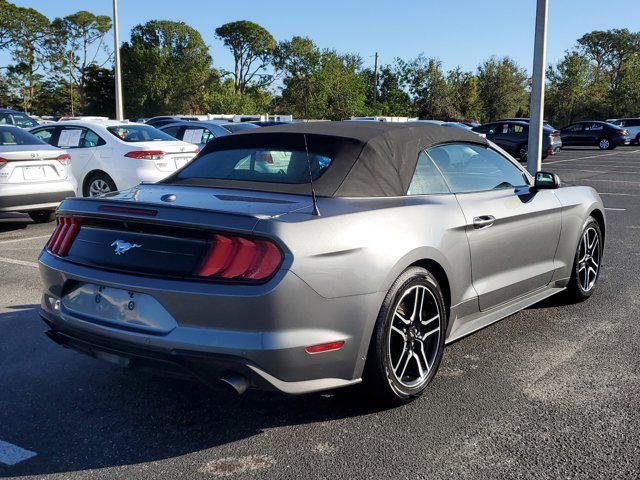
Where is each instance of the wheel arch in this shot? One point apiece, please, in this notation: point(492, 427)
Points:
point(90, 174)
point(599, 217)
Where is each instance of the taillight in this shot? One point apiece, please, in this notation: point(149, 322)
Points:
point(3, 162)
point(145, 154)
point(63, 236)
point(240, 258)
point(554, 134)
point(64, 159)
point(325, 347)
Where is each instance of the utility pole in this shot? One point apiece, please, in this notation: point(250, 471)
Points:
point(375, 78)
point(536, 109)
point(116, 49)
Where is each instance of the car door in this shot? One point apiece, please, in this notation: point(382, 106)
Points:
point(592, 133)
point(503, 137)
point(72, 139)
point(570, 135)
point(513, 230)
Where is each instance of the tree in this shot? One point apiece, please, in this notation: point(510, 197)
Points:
point(166, 69)
point(100, 95)
point(503, 88)
point(29, 35)
point(331, 87)
point(253, 49)
point(568, 82)
point(392, 99)
point(9, 22)
point(81, 39)
point(464, 94)
point(427, 87)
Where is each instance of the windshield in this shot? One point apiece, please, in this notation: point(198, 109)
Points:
point(22, 120)
point(139, 133)
point(15, 136)
point(257, 165)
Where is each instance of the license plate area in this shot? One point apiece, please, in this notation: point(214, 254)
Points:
point(181, 161)
point(117, 308)
point(33, 173)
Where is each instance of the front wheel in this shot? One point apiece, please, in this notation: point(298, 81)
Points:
point(587, 262)
point(523, 152)
point(98, 184)
point(408, 340)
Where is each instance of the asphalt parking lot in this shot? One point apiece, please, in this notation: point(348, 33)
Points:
point(551, 392)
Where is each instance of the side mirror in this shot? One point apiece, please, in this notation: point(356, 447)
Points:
point(546, 180)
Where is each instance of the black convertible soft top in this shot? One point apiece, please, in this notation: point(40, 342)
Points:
point(370, 159)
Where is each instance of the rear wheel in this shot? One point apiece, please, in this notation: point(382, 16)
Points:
point(605, 144)
point(587, 262)
point(42, 216)
point(638, 139)
point(408, 340)
point(98, 183)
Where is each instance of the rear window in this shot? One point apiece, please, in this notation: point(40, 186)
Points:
point(139, 133)
point(15, 136)
point(22, 120)
point(236, 127)
point(257, 165)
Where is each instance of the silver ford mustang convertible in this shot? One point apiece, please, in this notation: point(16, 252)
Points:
point(312, 256)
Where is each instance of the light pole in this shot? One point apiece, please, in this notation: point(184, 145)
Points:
point(116, 49)
point(536, 110)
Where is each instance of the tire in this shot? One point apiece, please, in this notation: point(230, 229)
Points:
point(42, 216)
point(98, 183)
point(605, 144)
point(638, 139)
point(523, 152)
point(580, 287)
point(420, 340)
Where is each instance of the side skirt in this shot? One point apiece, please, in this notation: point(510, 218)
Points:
point(472, 323)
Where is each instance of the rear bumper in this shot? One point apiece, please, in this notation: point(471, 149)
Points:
point(24, 197)
point(259, 332)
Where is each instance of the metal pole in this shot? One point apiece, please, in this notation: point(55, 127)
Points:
point(536, 110)
point(116, 49)
point(375, 79)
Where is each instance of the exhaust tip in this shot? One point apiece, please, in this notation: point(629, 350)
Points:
point(238, 383)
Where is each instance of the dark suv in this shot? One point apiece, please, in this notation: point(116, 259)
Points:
point(14, 117)
point(513, 136)
point(606, 136)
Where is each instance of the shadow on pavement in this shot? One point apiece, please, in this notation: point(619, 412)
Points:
point(13, 221)
point(78, 413)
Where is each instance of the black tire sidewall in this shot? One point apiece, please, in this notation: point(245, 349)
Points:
point(575, 288)
point(379, 372)
point(98, 176)
point(42, 216)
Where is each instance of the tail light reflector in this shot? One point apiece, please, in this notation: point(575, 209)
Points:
point(325, 347)
point(240, 258)
point(554, 134)
point(145, 154)
point(64, 159)
point(63, 236)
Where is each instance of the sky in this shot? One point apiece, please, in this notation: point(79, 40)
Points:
point(458, 32)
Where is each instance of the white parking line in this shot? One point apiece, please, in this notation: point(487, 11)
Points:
point(620, 194)
point(591, 156)
point(15, 240)
point(11, 454)
point(18, 262)
point(616, 209)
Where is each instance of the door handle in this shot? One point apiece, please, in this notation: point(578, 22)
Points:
point(483, 222)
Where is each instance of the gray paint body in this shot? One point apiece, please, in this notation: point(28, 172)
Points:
point(337, 270)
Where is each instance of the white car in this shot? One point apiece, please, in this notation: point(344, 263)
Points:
point(631, 125)
point(110, 155)
point(34, 176)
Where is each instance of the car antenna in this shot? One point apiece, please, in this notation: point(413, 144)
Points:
point(316, 212)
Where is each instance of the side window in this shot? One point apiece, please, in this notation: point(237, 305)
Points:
point(193, 135)
point(427, 180)
point(207, 136)
point(45, 134)
point(574, 128)
point(5, 119)
point(593, 127)
point(173, 131)
point(70, 137)
point(90, 139)
point(473, 168)
point(634, 122)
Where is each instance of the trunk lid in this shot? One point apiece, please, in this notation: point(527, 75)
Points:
point(31, 163)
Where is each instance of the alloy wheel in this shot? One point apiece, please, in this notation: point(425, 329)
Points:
point(604, 144)
point(524, 150)
point(414, 336)
point(588, 259)
point(98, 187)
